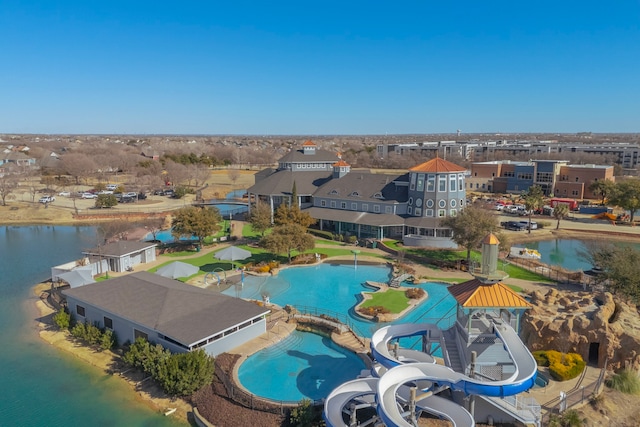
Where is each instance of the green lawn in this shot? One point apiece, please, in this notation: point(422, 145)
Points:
point(393, 300)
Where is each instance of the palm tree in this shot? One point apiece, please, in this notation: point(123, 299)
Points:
point(560, 212)
point(533, 199)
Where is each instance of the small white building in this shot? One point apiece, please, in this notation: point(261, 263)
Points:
point(122, 255)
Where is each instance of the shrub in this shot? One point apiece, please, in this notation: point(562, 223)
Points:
point(352, 239)
point(305, 415)
point(414, 293)
point(562, 367)
point(625, 381)
point(373, 310)
point(320, 233)
point(62, 319)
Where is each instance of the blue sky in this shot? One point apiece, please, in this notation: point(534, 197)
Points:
point(319, 67)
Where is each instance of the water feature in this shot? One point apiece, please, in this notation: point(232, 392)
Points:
point(43, 385)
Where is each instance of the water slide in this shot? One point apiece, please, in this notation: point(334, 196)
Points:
point(391, 386)
point(363, 388)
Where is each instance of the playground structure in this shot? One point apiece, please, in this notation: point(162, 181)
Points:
point(474, 370)
point(209, 277)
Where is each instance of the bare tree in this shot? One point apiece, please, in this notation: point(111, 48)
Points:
point(79, 166)
point(8, 184)
point(200, 173)
point(176, 173)
point(233, 175)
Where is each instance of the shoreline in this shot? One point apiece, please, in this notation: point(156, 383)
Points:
point(148, 394)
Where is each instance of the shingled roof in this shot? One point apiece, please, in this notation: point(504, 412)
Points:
point(437, 165)
point(182, 312)
point(477, 294)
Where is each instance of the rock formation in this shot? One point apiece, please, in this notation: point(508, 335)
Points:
point(597, 326)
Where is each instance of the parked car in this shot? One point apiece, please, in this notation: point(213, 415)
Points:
point(169, 193)
point(111, 187)
point(64, 194)
point(513, 225)
point(142, 196)
point(512, 209)
point(131, 194)
point(47, 199)
point(105, 192)
point(499, 207)
point(158, 192)
point(127, 199)
point(89, 196)
point(534, 225)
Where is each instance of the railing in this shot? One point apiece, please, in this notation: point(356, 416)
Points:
point(339, 317)
point(577, 396)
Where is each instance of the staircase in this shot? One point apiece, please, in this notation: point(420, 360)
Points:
point(452, 351)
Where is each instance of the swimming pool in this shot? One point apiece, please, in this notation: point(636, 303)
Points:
point(165, 237)
point(302, 365)
point(306, 365)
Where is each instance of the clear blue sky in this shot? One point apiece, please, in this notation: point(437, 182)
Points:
point(319, 67)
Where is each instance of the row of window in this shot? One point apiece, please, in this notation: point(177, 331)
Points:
point(430, 203)
point(305, 165)
point(107, 321)
point(429, 212)
point(456, 182)
point(354, 206)
point(227, 332)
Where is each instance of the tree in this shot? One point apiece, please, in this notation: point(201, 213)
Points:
point(106, 201)
point(62, 319)
point(78, 165)
point(292, 215)
point(626, 194)
point(602, 188)
point(287, 238)
point(260, 217)
point(533, 200)
point(8, 184)
point(560, 212)
point(185, 373)
point(470, 226)
point(233, 175)
point(195, 221)
point(620, 266)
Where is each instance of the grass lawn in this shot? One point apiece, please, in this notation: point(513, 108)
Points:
point(393, 300)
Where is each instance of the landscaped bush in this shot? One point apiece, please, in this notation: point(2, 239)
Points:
point(562, 367)
point(414, 293)
point(92, 335)
point(62, 319)
point(373, 310)
point(320, 233)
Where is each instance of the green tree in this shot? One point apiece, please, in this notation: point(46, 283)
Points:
point(62, 319)
point(184, 373)
point(626, 194)
point(285, 215)
point(195, 221)
point(287, 238)
point(560, 212)
point(106, 201)
point(533, 200)
point(602, 188)
point(303, 415)
point(260, 217)
point(470, 226)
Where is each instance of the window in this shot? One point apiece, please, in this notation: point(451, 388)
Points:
point(365, 207)
point(354, 206)
point(412, 186)
point(410, 210)
point(411, 200)
point(442, 204)
point(420, 183)
point(376, 208)
point(355, 194)
point(461, 202)
point(442, 213)
point(419, 202)
point(452, 182)
point(108, 323)
point(442, 183)
point(431, 183)
point(453, 212)
point(378, 196)
point(80, 310)
point(139, 334)
point(343, 205)
point(430, 203)
point(323, 203)
point(429, 212)
point(334, 192)
point(453, 203)
point(388, 209)
point(418, 211)
point(460, 182)
point(333, 203)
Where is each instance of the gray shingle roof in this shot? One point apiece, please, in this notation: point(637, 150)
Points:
point(281, 182)
point(182, 312)
point(366, 185)
point(298, 156)
point(120, 248)
point(355, 216)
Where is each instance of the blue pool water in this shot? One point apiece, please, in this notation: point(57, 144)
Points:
point(302, 365)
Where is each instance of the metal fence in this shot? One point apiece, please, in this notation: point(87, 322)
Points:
point(555, 273)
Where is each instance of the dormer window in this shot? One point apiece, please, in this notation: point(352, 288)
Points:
point(378, 195)
point(334, 192)
point(355, 194)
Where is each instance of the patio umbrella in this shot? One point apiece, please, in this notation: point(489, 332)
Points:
point(77, 278)
point(177, 269)
point(232, 253)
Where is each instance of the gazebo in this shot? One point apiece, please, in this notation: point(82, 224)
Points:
point(486, 297)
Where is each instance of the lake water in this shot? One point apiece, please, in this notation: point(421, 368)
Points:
point(42, 386)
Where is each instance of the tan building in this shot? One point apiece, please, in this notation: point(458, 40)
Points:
point(574, 180)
